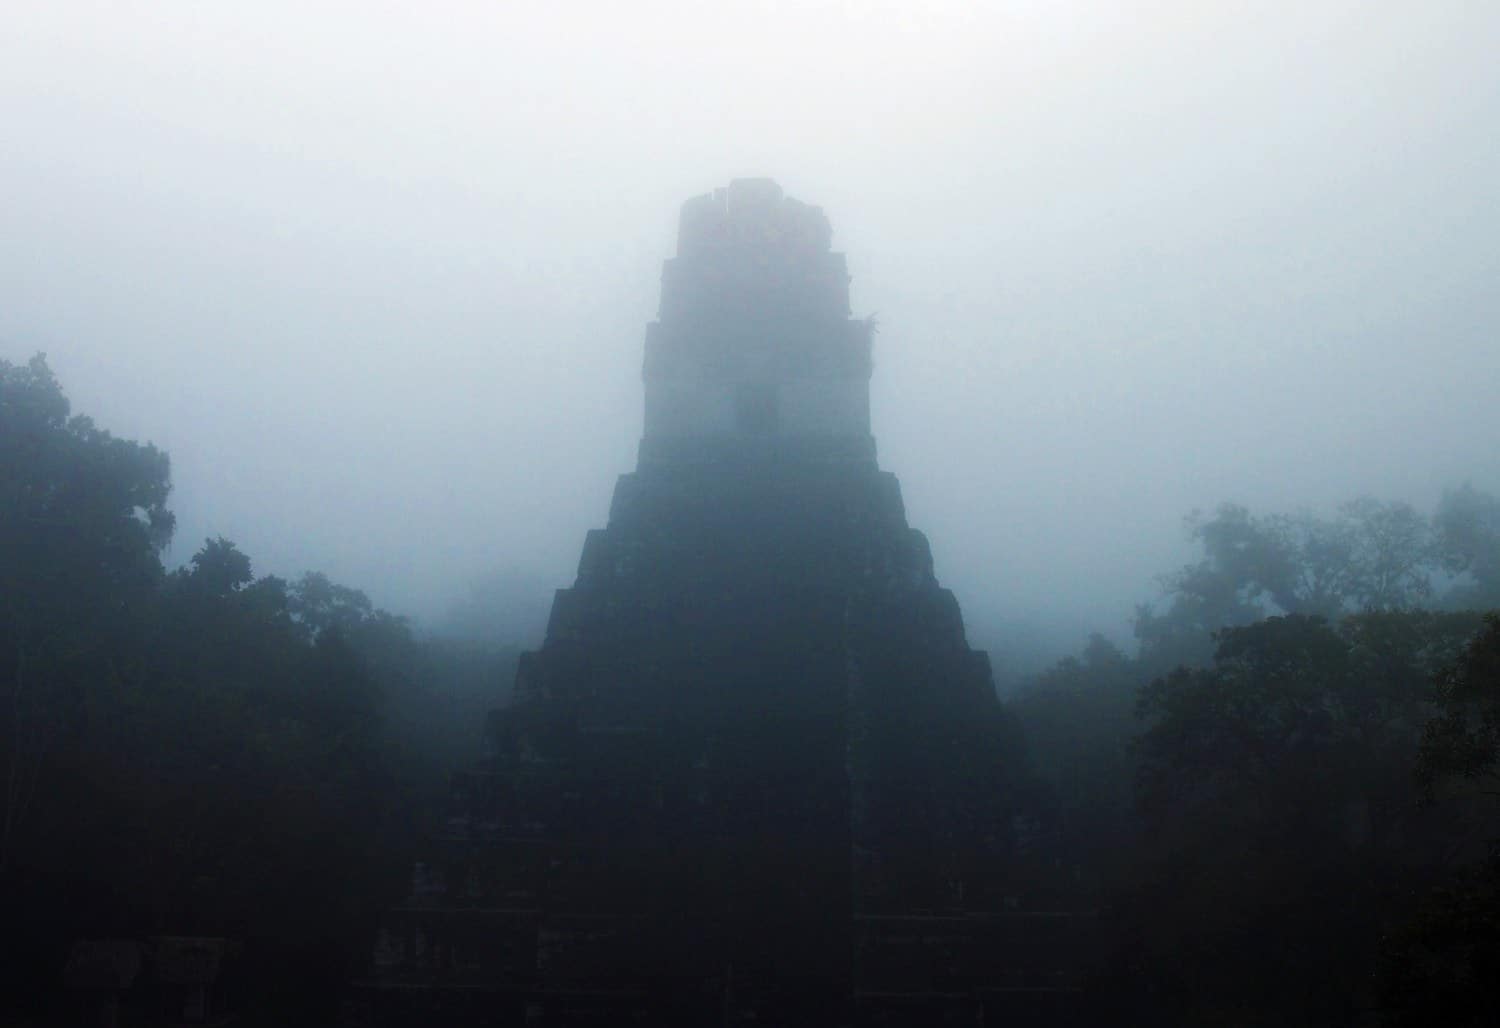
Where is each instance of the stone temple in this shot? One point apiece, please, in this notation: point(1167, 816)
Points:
point(755, 773)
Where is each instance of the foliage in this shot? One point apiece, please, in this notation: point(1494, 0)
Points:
point(83, 519)
point(1284, 690)
point(201, 750)
point(1280, 806)
point(1079, 721)
point(1372, 556)
point(1441, 964)
point(1467, 530)
point(1463, 741)
point(1293, 707)
point(1459, 758)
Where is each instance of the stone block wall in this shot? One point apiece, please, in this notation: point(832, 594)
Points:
point(753, 336)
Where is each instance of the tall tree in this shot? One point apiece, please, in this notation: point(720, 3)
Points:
point(1462, 743)
point(1276, 789)
point(83, 520)
point(1442, 964)
point(1392, 557)
point(1467, 530)
point(1373, 555)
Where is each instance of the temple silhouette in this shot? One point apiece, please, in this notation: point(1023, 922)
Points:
point(755, 774)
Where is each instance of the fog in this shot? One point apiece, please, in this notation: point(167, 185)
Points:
point(377, 276)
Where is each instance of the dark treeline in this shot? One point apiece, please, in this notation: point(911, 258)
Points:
point(198, 752)
point(1281, 805)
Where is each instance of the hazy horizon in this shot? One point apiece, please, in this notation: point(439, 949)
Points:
point(377, 278)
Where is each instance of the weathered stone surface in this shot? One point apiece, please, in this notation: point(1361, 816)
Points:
point(755, 772)
point(754, 338)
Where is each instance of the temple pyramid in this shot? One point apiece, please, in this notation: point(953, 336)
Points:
point(755, 774)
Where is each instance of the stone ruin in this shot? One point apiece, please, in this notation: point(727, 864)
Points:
point(754, 774)
point(754, 338)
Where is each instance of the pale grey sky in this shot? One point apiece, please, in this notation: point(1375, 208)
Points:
point(377, 275)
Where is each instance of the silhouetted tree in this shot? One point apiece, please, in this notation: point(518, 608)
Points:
point(1373, 556)
point(1282, 815)
point(1467, 530)
point(83, 520)
point(200, 751)
point(1079, 723)
point(1442, 964)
